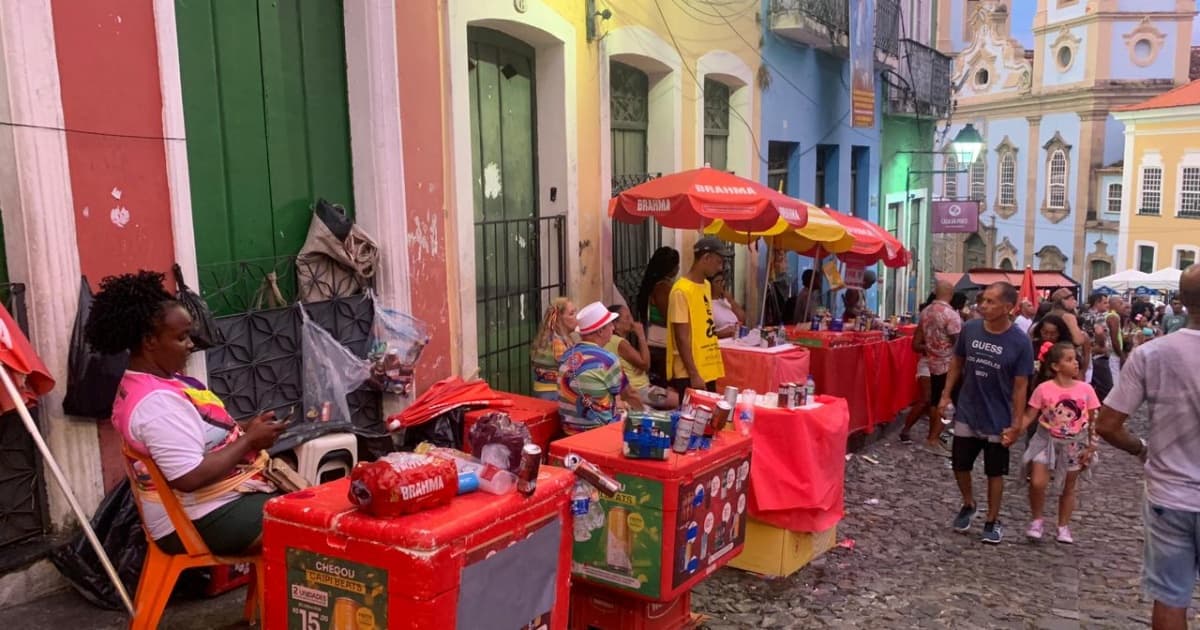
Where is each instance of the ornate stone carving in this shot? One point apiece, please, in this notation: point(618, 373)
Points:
point(1144, 42)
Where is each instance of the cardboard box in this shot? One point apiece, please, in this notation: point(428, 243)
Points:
point(648, 435)
point(778, 552)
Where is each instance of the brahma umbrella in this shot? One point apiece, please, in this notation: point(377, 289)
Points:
point(691, 200)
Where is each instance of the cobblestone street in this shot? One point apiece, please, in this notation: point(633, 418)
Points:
point(909, 569)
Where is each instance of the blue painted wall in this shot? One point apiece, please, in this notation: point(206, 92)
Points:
point(1162, 67)
point(1055, 14)
point(808, 103)
point(1052, 76)
point(1061, 234)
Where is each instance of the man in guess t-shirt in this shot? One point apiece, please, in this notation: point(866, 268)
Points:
point(993, 361)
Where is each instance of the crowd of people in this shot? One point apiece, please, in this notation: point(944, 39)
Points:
point(1062, 376)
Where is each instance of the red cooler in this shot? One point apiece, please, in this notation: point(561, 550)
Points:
point(673, 523)
point(481, 561)
point(541, 416)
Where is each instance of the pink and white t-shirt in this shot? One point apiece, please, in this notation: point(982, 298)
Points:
point(1064, 411)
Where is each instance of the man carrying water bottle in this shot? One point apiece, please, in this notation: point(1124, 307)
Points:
point(992, 363)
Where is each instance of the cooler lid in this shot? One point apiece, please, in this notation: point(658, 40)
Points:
point(604, 447)
point(327, 507)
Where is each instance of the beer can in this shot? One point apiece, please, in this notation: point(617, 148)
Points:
point(592, 474)
point(731, 395)
point(794, 394)
point(326, 411)
point(721, 416)
point(683, 433)
point(743, 331)
point(344, 612)
point(816, 322)
point(781, 400)
point(527, 471)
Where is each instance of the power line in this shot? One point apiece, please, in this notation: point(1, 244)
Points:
point(89, 132)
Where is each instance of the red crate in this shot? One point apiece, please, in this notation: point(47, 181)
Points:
point(673, 523)
point(327, 563)
point(226, 577)
point(541, 416)
point(595, 608)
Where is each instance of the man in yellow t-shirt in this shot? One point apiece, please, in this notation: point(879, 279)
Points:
point(695, 357)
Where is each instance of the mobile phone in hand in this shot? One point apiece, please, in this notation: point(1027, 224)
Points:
point(288, 419)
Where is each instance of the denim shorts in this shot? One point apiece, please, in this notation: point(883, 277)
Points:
point(1172, 555)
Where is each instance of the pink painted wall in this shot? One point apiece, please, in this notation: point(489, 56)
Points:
point(108, 68)
point(421, 107)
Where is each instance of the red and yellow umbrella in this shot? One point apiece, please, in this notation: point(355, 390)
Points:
point(692, 200)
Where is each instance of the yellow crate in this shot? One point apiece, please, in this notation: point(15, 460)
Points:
point(778, 552)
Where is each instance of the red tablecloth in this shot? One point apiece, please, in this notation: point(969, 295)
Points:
point(876, 379)
point(832, 339)
point(797, 473)
point(763, 372)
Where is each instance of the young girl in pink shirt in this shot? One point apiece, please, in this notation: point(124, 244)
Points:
point(1065, 442)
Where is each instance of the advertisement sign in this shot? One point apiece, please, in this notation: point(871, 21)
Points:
point(854, 276)
point(711, 518)
point(328, 593)
point(955, 217)
point(862, 62)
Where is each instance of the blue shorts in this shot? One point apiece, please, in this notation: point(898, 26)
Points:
point(1172, 555)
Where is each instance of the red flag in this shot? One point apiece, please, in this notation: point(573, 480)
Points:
point(1028, 289)
point(18, 357)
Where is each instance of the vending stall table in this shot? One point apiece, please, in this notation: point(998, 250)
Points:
point(673, 523)
point(762, 369)
point(481, 561)
point(797, 480)
point(876, 376)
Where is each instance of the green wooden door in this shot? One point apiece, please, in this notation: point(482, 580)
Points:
point(716, 124)
point(629, 107)
point(264, 96)
point(504, 168)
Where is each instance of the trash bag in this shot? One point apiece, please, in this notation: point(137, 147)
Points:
point(443, 430)
point(331, 372)
point(92, 377)
point(397, 340)
point(337, 259)
point(119, 529)
point(205, 333)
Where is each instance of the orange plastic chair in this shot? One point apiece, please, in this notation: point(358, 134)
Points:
point(161, 570)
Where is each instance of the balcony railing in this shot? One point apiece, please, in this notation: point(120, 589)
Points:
point(825, 24)
point(925, 89)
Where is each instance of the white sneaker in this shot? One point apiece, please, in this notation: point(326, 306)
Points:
point(1035, 530)
point(1064, 535)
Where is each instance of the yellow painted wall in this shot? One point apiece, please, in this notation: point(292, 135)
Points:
point(1171, 139)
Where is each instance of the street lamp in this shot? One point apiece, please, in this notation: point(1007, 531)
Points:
point(966, 146)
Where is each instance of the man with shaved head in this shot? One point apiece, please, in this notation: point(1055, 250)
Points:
point(1164, 374)
point(940, 325)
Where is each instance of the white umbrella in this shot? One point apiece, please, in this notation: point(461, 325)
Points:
point(1123, 280)
point(1166, 279)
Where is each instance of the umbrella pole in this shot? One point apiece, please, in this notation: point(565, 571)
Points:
point(52, 464)
point(762, 312)
point(816, 270)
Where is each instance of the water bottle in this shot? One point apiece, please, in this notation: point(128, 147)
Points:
point(581, 499)
point(810, 390)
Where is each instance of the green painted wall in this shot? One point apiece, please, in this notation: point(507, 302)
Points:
point(900, 134)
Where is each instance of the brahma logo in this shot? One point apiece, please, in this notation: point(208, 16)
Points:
point(791, 215)
point(724, 190)
point(653, 206)
point(954, 210)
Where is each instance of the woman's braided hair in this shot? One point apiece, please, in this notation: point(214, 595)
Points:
point(128, 308)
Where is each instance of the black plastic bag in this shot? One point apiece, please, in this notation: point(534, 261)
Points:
point(444, 430)
point(92, 377)
point(205, 333)
point(119, 529)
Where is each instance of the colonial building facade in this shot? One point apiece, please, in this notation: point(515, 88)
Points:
point(1048, 182)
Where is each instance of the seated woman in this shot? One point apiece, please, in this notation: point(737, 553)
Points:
point(554, 338)
point(727, 313)
point(211, 462)
point(629, 344)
